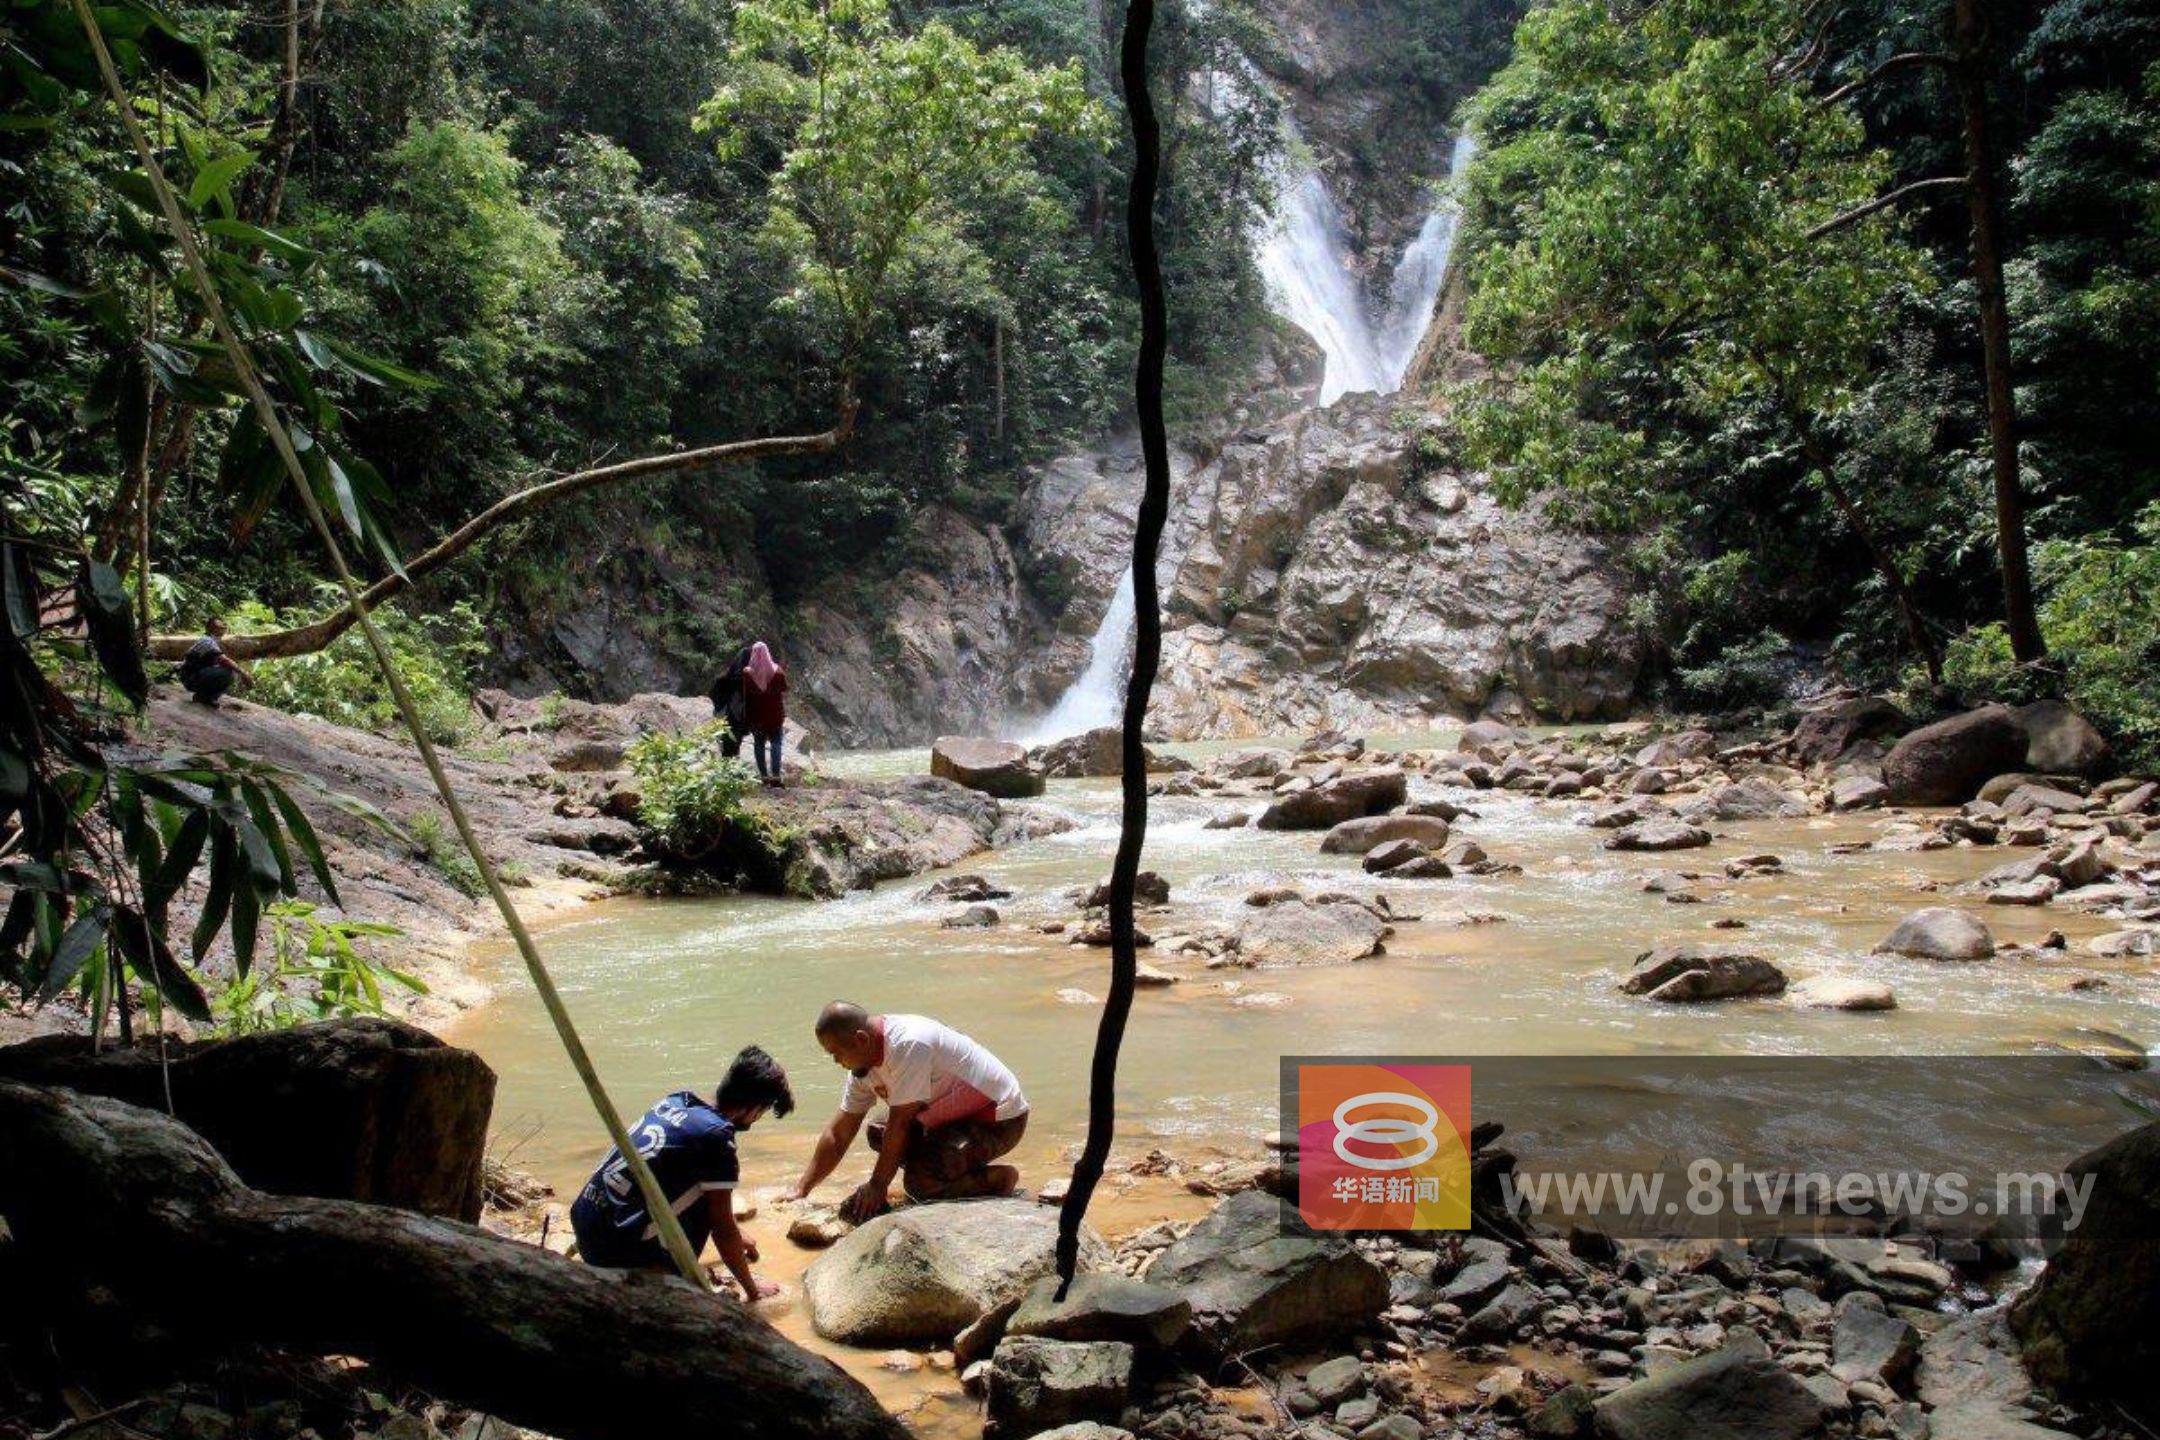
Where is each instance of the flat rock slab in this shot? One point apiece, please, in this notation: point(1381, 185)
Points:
point(1293, 934)
point(1104, 1306)
point(1253, 1283)
point(992, 767)
point(924, 1273)
point(1737, 1393)
point(1844, 992)
point(1361, 836)
point(1657, 836)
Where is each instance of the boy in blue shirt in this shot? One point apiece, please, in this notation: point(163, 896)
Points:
point(690, 1146)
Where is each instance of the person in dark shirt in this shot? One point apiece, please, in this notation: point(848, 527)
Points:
point(731, 706)
point(206, 671)
point(690, 1146)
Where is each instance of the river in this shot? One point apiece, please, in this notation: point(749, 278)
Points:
point(665, 991)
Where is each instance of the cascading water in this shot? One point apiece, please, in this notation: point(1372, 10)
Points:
point(1097, 697)
point(1305, 257)
point(1415, 291)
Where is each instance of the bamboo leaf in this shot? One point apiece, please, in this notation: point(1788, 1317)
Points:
point(302, 831)
point(149, 956)
point(76, 946)
point(224, 861)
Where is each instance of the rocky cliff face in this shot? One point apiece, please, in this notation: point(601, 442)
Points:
point(1317, 574)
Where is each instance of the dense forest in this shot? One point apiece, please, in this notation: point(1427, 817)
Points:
point(558, 270)
point(1847, 317)
point(1841, 321)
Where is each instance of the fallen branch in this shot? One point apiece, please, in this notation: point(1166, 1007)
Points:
point(316, 634)
point(486, 1322)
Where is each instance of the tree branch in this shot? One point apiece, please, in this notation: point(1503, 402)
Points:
point(1889, 66)
point(1883, 202)
point(313, 636)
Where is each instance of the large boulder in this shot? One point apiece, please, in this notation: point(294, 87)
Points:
point(1869, 1343)
point(1736, 1393)
point(1823, 735)
point(993, 767)
point(2091, 1324)
point(1295, 934)
point(1096, 755)
point(1357, 837)
point(1752, 799)
point(1257, 1276)
point(2059, 741)
point(1947, 762)
point(363, 1109)
point(1676, 749)
point(1491, 734)
point(1685, 974)
point(923, 1274)
point(1346, 797)
point(1038, 1384)
point(1939, 933)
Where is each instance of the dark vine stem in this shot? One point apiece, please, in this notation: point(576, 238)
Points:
point(1147, 645)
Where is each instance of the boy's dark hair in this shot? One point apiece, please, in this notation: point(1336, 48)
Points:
point(756, 1079)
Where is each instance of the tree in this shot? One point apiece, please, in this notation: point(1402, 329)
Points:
point(1667, 237)
point(877, 136)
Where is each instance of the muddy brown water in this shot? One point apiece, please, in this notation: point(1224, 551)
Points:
point(666, 991)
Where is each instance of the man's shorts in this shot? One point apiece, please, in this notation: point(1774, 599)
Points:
point(937, 1158)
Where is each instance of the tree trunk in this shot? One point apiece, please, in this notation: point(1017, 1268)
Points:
point(120, 1214)
point(1916, 632)
point(1971, 74)
point(362, 1109)
point(317, 634)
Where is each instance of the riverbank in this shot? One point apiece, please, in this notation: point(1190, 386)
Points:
point(546, 788)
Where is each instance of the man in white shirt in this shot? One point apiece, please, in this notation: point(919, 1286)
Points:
point(952, 1108)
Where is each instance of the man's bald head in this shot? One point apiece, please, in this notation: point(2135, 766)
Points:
point(849, 1034)
point(842, 1017)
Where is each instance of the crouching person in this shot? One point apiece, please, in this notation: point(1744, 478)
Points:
point(690, 1146)
point(953, 1110)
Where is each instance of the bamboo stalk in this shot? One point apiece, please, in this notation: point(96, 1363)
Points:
point(656, 1201)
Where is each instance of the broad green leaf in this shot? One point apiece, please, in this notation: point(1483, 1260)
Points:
point(76, 946)
point(148, 955)
point(224, 879)
point(266, 825)
point(303, 834)
point(214, 177)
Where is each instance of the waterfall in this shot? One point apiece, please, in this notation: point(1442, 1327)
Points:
point(1306, 259)
point(1097, 698)
point(1304, 255)
point(1415, 290)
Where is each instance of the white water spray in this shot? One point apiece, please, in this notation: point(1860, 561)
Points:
point(1304, 255)
point(1097, 697)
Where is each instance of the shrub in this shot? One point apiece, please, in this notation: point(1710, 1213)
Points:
point(2100, 612)
point(340, 683)
point(689, 796)
point(1741, 676)
point(315, 972)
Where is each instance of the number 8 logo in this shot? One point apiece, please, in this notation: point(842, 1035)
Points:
point(1387, 1130)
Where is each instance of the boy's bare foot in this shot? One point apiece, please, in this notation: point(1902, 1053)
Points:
point(1000, 1180)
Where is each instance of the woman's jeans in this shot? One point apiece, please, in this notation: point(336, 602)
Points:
point(761, 741)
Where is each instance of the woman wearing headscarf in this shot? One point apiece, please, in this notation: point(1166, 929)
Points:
point(764, 685)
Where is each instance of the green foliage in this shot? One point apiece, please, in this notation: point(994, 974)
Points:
point(439, 845)
point(1744, 675)
point(340, 683)
point(689, 796)
point(2101, 608)
point(888, 138)
point(316, 972)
